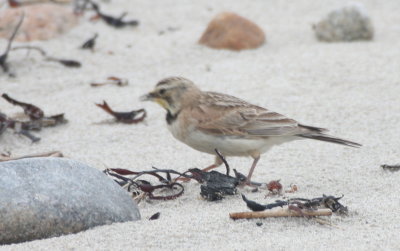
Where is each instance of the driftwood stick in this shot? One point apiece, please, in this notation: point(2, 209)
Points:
point(282, 212)
point(48, 154)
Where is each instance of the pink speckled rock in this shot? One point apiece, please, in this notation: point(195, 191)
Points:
point(42, 21)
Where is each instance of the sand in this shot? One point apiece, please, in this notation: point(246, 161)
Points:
point(351, 88)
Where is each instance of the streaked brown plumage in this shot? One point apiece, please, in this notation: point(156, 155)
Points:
point(208, 120)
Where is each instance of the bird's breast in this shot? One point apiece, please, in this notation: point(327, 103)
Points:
point(175, 127)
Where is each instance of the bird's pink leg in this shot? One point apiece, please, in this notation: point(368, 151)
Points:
point(253, 166)
point(216, 164)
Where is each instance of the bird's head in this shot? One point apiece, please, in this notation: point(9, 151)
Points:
point(173, 93)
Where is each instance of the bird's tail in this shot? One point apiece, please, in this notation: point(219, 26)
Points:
point(328, 138)
point(318, 134)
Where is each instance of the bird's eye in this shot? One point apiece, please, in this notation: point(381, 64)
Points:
point(161, 91)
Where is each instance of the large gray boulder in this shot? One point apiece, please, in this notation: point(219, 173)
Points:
point(46, 197)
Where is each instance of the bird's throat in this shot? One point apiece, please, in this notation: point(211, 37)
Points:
point(171, 117)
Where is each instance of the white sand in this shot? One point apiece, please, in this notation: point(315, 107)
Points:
point(351, 88)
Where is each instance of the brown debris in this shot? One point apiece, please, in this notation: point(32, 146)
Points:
point(112, 81)
point(32, 111)
point(155, 216)
point(116, 22)
point(293, 189)
point(35, 120)
point(231, 31)
point(298, 204)
point(19, 3)
point(392, 168)
point(275, 187)
point(124, 117)
point(90, 43)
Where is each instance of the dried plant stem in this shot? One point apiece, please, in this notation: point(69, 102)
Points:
point(3, 57)
point(283, 212)
point(47, 154)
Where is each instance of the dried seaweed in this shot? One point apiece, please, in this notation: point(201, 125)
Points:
point(112, 81)
point(325, 201)
point(66, 62)
point(90, 43)
point(3, 58)
point(116, 22)
point(36, 119)
point(124, 117)
point(33, 112)
point(155, 216)
point(144, 189)
point(216, 184)
point(392, 168)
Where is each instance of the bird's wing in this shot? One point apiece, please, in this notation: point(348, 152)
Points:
point(226, 115)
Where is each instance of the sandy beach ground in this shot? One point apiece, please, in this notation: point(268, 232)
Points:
point(350, 88)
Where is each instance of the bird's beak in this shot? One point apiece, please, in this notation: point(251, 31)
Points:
point(148, 97)
point(153, 96)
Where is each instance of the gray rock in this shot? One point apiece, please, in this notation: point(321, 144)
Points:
point(46, 197)
point(345, 24)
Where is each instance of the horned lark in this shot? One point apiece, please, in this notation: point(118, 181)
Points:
point(207, 121)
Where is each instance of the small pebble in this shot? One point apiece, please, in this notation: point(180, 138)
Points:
point(231, 31)
point(345, 24)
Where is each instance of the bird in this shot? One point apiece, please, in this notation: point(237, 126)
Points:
point(206, 121)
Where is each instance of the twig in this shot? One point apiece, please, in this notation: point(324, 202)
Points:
point(3, 57)
point(30, 47)
point(47, 154)
point(65, 62)
point(282, 212)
